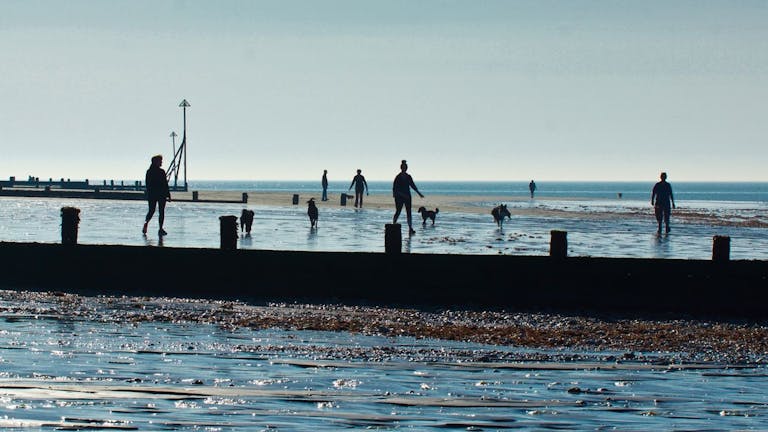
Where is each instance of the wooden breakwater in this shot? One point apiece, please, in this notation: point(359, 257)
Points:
point(104, 194)
point(691, 287)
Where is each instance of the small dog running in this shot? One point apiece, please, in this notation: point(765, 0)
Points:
point(246, 221)
point(312, 212)
point(499, 212)
point(428, 214)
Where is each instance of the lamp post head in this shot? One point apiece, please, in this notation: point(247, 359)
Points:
point(173, 134)
point(184, 104)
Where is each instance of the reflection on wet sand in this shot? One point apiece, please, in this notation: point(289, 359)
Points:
point(145, 363)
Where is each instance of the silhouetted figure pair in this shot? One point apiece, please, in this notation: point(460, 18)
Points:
point(662, 201)
point(360, 186)
point(158, 193)
point(401, 191)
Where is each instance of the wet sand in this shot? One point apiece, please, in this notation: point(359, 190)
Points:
point(672, 340)
point(559, 207)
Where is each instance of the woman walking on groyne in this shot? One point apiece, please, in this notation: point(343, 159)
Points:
point(158, 193)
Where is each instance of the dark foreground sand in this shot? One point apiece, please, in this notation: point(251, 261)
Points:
point(658, 339)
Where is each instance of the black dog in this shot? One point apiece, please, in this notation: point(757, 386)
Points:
point(312, 212)
point(428, 214)
point(499, 212)
point(246, 220)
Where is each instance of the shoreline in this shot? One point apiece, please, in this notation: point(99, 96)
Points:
point(519, 205)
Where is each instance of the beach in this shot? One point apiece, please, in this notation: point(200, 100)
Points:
point(151, 362)
point(662, 338)
point(518, 205)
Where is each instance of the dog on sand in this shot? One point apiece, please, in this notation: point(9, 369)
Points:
point(428, 214)
point(312, 212)
point(499, 212)
point(246, 221)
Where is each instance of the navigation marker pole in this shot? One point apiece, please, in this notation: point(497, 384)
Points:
point(184, 104)
point(176, 176)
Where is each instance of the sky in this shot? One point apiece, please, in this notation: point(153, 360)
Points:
point(464, 90)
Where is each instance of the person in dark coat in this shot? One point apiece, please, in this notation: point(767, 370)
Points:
point(158, 193)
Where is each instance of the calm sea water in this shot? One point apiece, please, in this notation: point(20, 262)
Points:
point(686, 191)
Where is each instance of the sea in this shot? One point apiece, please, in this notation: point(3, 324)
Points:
point(85, 373)
point(746, 192)
point(605, 219)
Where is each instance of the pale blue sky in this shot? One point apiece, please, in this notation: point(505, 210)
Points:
point(465, 90)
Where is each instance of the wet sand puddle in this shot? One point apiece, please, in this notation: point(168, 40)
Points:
point(613, 229)
point(82, 374)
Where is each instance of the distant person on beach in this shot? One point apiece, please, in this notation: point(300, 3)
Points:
point(158, 193)
point(662, 201)
point(401, 191)
point(324, 182)
point(360, 185)
point(532, 187)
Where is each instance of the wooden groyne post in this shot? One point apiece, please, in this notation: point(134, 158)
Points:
point(393, 239)
point(295, 199)
point(721, 248)
point(228, 232)
point(70, 219)
point(558, 244)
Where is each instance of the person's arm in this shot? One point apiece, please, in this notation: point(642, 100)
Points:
point(671, 197)
point(653, 195)
point(365, 183)
point(413, 185)
point(167, 188)
point(353, 183)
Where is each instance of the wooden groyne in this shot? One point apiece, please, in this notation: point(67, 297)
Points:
point(691, 287)
point(98, 193)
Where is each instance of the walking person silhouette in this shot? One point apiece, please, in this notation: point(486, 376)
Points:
point(661, 198)
point(360, 185)
point(324, 183)
point(401, 191)
point(158, 193)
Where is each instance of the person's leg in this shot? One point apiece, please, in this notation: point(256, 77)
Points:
point(408, 216)
point(161, 213)
point(659, 217)
point(398, 208)
point(152, 204)
point(667, 212)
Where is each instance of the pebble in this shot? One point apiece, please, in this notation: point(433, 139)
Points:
point(634, 339)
